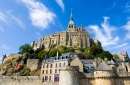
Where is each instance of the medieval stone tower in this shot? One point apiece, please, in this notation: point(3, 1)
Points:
point(73, 36)
point(69, 75)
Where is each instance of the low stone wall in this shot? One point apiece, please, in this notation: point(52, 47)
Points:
point(20, 80)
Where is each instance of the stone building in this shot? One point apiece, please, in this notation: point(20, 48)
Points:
point(68, 69)
point(50, 66)
point(73, 36)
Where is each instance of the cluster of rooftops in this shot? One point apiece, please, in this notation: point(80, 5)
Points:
point(89, 65)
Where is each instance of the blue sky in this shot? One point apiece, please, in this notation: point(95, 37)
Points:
point(23, 21)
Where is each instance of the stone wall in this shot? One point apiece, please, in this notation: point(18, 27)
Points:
point(68, 76)
point(20, 80)
point(101, 79)
point(33, 64)
point(24, 80)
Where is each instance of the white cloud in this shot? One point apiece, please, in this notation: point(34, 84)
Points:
point(3, 17)
point(40, 36)
point(127, 7)
point(40, 15)
point(18, 21)
point(112, 6)
point(5, 47)
point(127, 27)
point(7, 18)
point(120, 46)
point(104, 34)
point(61, 4)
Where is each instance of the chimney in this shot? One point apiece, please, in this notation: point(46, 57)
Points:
point(57, 54)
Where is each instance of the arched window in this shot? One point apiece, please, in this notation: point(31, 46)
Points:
point(46, 78)
point(55, 70)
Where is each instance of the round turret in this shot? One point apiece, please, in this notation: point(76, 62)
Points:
point(69, 75)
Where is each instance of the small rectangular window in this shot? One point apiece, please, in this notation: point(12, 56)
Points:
point(51, 66)
point(47, 65)
point(55, 70)
point(60, 65)
point(43, 72)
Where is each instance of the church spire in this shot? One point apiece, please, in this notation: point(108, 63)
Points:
point(71, 18)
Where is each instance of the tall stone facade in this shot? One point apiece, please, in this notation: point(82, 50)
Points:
point(73, 36)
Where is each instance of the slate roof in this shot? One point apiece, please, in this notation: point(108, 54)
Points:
point(103, 67)
point(64, 56)
point(111, 62)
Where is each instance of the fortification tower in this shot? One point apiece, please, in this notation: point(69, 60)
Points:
point(69, 75)
point(103, 75)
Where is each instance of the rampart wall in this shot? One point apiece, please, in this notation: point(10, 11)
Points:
point(84, 79)
point(122, 78)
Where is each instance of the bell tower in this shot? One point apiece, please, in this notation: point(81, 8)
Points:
point(71, 23)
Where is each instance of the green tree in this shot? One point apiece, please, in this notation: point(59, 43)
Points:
point(54, 46)
point(106, 54)
point(70, 49)
point(95, 50)
point(53, 52)
point(82, 50)
point(42, 54)
point(62, 51)
point(24, 48)
point(115, 55)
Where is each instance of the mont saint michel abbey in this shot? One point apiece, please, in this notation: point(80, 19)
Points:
point(72, 36)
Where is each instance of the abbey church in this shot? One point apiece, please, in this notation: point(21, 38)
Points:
point(73, 36)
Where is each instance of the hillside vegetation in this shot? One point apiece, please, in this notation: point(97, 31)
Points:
point(8, 67)
point(89, 52)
